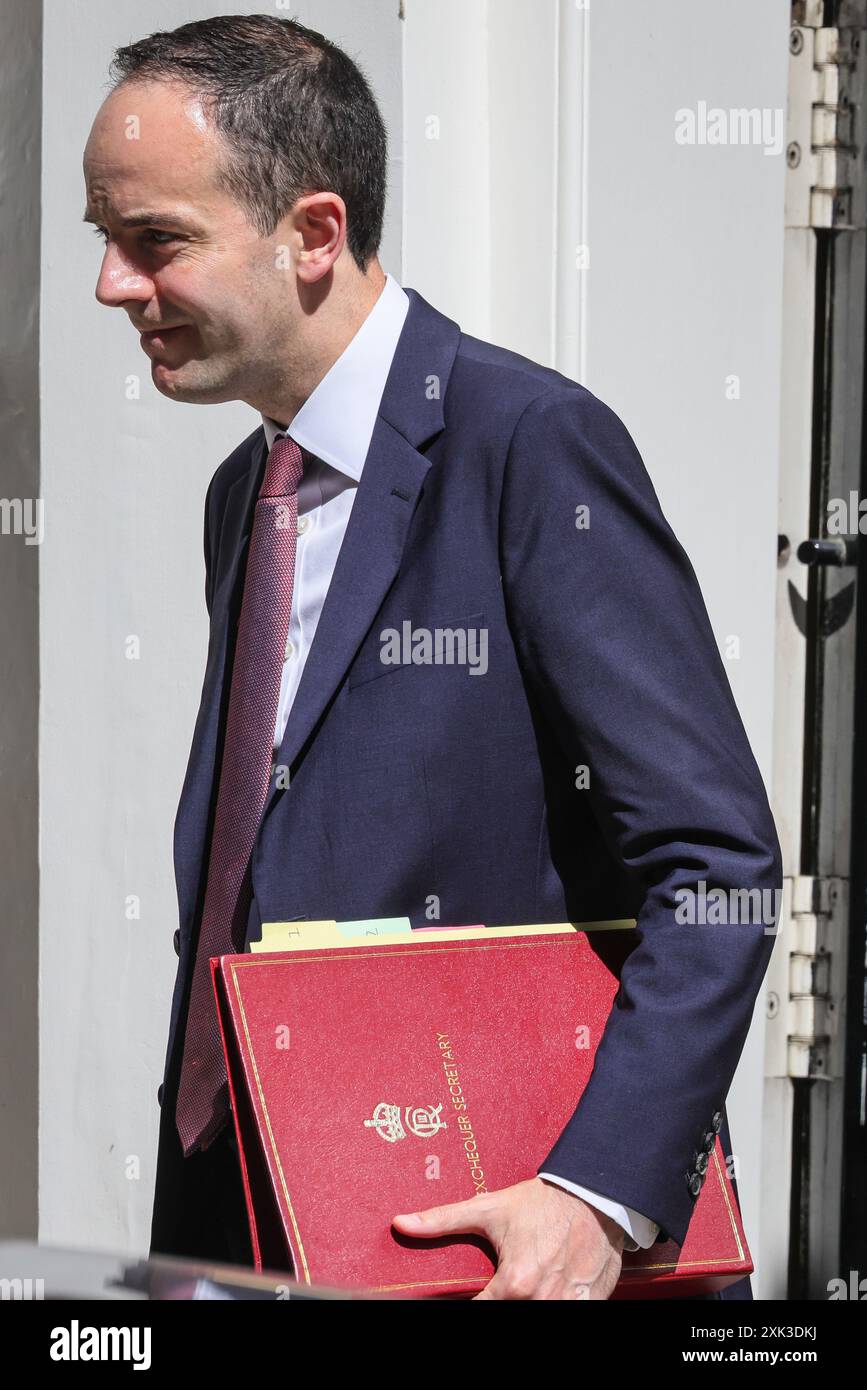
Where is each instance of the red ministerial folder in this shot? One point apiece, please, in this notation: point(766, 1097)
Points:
point(371, 1080)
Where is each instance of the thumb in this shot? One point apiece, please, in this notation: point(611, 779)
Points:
point(471, 1217)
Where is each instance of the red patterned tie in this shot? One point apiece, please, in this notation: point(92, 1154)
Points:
point(203, 1098)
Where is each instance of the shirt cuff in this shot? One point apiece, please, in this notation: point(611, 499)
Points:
point(641, 1232)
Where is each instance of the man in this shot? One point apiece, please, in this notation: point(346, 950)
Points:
point(583, 757)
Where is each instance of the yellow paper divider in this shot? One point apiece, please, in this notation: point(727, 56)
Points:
point(316, 936)
point(286, 936)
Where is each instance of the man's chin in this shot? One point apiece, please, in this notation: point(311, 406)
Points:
point(171, 382)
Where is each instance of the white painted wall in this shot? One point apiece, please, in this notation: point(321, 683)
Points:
point(557, 128)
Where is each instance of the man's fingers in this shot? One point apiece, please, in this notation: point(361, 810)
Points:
point(502, 1286)
point(472, 1217)
point(509, 1283)
point(486, 1292)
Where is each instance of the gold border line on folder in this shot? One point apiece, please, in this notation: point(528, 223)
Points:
point(268, 1123)
point(336, 954)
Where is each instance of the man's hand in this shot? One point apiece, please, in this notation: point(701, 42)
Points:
point(548, 1242)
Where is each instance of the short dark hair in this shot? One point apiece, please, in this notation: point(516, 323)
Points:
point(295, 112)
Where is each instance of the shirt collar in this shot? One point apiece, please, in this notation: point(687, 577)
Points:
point(336, 421)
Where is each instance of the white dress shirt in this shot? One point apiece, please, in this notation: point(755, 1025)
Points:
point(335, 425)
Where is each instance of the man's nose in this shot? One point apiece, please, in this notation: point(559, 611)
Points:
point(120, 281)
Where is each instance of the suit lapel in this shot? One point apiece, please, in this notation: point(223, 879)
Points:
point(369, 558)
point(410, 414)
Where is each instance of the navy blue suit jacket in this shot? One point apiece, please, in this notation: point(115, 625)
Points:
point(412, 781)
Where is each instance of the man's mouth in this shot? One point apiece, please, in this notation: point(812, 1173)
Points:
point(157, 335)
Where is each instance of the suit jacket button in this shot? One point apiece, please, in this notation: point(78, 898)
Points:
point(694, 1181)
point(716, 1122)
point(160, 1094)
point(176, 941)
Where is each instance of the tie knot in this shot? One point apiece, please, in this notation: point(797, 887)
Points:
point(283, 469)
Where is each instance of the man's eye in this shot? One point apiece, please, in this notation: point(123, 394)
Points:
point(151, 235)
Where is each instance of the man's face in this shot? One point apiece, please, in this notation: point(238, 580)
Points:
point(207, 292)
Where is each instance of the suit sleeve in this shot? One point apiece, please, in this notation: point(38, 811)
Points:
point(616, 647)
